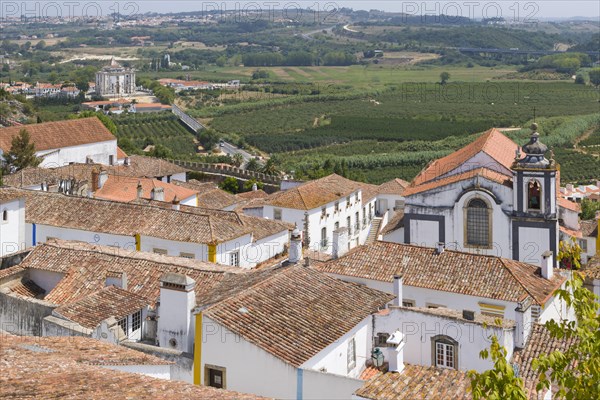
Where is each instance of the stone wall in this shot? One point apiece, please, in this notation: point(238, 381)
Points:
point(23, 316)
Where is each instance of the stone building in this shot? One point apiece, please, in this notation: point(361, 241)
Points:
point(115, 80)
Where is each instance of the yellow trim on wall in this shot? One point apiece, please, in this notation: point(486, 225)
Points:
point(212, 253)
point(138, 242)
point(491, 306)
point(198, 350)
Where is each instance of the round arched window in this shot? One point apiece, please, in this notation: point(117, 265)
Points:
point(478, 223)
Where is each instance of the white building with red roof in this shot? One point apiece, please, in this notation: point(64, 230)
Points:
point(489, 199)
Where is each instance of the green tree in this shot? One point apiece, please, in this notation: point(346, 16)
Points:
point(499, 383)
point(270, 167)
point(588, 209)
point(248, 185)
point(574, 370)
point(444, 77)
point(595, 76)
point(230, 185)
point(53, 77)
point(22, 153)
point(41, 45)
point(106, 121)
point(238, 159)
point(253, 165)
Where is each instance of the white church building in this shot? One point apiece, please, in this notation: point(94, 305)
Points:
point(488, 198)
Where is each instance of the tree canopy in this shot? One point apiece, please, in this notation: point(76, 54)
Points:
point(22, 153)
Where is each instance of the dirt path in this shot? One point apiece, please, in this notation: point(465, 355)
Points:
point(585, 135)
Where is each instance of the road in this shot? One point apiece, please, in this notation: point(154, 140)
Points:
point(230, 149)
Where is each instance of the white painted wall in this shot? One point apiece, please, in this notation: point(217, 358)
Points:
point(396, 236)
point(47, 280)
point(249, 369)
point(420, 327)
point(99, 152)
point(175, 319)
point(333, 359)
point(316, 222)
point(12, 231)
point(154, 371)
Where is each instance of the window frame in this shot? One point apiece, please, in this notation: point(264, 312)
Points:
point(351, 354)
point(444, 343)
point(234, 258)
point(531, 182)
point(136, 319)
point(5, 216)
point(408, 303)
point(156, 250)
point(277, 214)
point(189, 256)
point(489, 222)
point(124, 321)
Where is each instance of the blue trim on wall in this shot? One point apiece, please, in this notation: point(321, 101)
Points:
point(33, 234)
point(299, 379)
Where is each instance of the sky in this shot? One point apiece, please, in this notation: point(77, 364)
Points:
point(515, 10)
point(467, 8)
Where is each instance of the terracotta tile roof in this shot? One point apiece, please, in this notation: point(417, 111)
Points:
point(395, 186)
point(7, 195)
point(25, 287)
point(493, 142)
point(570, 232)
point(589, 228)
point(76, 368)
point(394, 223)
point(148, 167)
point(319, 192)
point(452, 271)
point(59, 134)
point(253, 194)
point(124, 189)
point(418, 382)
point(209, 194)
point(484, 173)
point(85, 268)
point(296, 312)
point(592, 268)
point(120, 153)
point(129, 219)
point(456, 315)
point(568, 204)
point(540, 342)
point(369, 372)
point(110, 301)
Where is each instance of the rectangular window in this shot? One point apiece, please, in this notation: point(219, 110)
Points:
point(583, 245)
point(348, 201)
point(234, 258)
point(323, 212)
point(381, 340)
point(349, 223)
point(323, 238)
point(123, 324)
point(357, 222)
point(408, 303)
point(277, 214)
point(337, 206)
point(351, 354)
point(444, 355)
point(136, 321)
point(159, 251)
point(187, 255)
point(215, 376)
point(431, 305)
point(336, 226)
point(356, 197)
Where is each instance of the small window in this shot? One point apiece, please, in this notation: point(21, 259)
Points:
point(381, 339)
point(111, 160)
point(349, 224)
point(534, 195)
point(4, 215)
point(444, 355)
point(159, 251)
point(234, 258)
point(123, 324)
point(431, 305)
point(348, 201)
point(136, 321)
point(277, 214)
point(583, 245)
point(336, 226)
point(323, 212)
point(215, 376)
point(356, 196)
point(337, 206)
point(323, 238)
point(408, 303)
point(187, 255)
point(351, 354)
point(357, 221)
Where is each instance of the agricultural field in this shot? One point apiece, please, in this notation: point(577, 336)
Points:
point(155, 129)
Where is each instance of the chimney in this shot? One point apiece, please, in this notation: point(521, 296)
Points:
point(175, 203)
point(547, 265)
point(102, 178)
point(397, 362)
point(140, 190)
point(295, 254)
point(254, 187)
point(88, 160)
point(157, 194)
point(441, 246)
point(398, 290)
point(126, 161)
point(175, 318)
point(95, 179)
point(569, 187)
